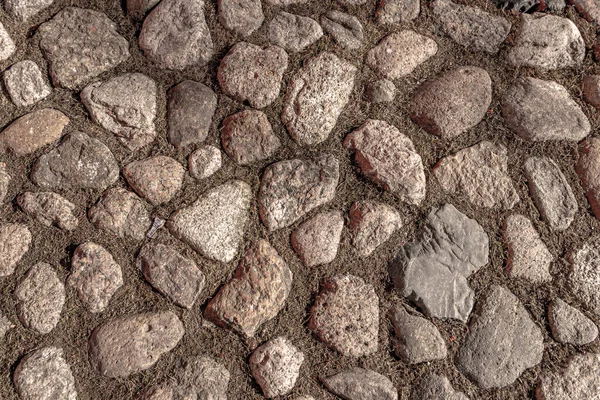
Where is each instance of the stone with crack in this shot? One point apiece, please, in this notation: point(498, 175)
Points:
point(25, 84)
point(49, 208)
point(345, 29)
point(294, 32)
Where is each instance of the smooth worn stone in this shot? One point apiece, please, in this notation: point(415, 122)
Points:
point(591, 90)
point(79, 45)
point(190, 109)
point(7, 45)
point(480, 174)
point(372, 224)
point(381, 91)
point(389, 158)
point(290, 189)
point(33, 131)
point(579, 380)
point(44, 374)
point(79, 162)
point(588, 169)
point(250, 73)
point(345, 316)
point(49, 208)
point(137, 8)
point(400, 53)
point(569, 325)
point(4, 181)
point(175, 35)
point(316, 96)
point(132, 343)
point(294, 32)
point(247, 137)
point(547, 42)
point(316, 240)
point(214, 224)
point(397, 11)
point(436, 387)
point(5, 326)
point(124, 105)
point(453, 102)
point(242, 17)
point(551, 192)
point(584, 276)
point(360, 384)
point(40, 297)
point(156, 179)
point(15, 240)
point(417, 340)
point(204, 162)
point(22, 10)
point(502, 342)
point(433, 272)
point(95, 276)
point(346, 29)
point(538, 110)
point(25, 84)
point(173, 275)
point(471, 27)
point(275, 366)
point(256, 293)
point(588, 9)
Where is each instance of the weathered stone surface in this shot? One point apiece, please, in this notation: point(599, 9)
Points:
point(380, 91)
point(5, 325)
point(578, 381)
point(345, 316)
point(453, 102)
point(397, 11)
point(372, 224)
point(14, 243)
point(345, 29)
point(79, 45)
point(49, 208)
point(191, 107)
point(417, 340)
point(253, 74)
point(173, 275)
point(289, 189)
point(44, 374)
point(256, 294)
point(157, 179)
point(471, 27)
point(124, 105)
point(241, 16)
point(569, 325)
point(285, 3)
point(316, 240)
point(588, 169)
point(436, 387)
point(40, 297)
point(204, 162)
point(389, 158)
point(214, 224)
point(360, 384)
point(294, 32)
point(400, 53)
point(175, 35)
point(33, 131)
point(589, 9)
point(138, 8)
point(25, 84)
point(95, 276)
point(22, 10)
point(247, 137)
point(132, 343)
point(4, 182)
point(502, 341)
point(79, 162)
point(547, 42)
point(275, 366)
point(591, 90)
point(316, 96)
point(584, 277)
point(7, 45)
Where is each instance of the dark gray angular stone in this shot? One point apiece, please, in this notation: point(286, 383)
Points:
point(569, 325)
point(417, 340)
point(360, 384)
point(345, 29)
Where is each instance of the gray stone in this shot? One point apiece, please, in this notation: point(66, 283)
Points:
point(23, 10)
point(433, 272)
point(275, 366)
point(241, 16)
point(138, 8)
point(417, 340)
point(5, 326)
point(360, 384)
point(14, 243)
point(247, 137)
point(316, 240)
point(381, 91)
point(4, 181)
point(157, 179)
point(345, 29)
point(49, 208)
point(584, 276)
point(578, 381)
point(591, 90)
point(372, 224)
point(204, 162)
point(294, 32)
point(436, 387)
point(588, 169)
point(25, 84)
point(397, 11)
point(33, 131)
point(569, 325)
point(7, 45)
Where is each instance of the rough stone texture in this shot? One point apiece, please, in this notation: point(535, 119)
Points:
point(95, 276)
point(23, 10)
point(7, 45)
point(547, 42)
point(49, 208)
point(256, 293)
point(397, 11)
point(4, 182)
point(480, 174)
point(121, 213)
point(380, 91)
point(417, 340)
point(247, 137)
point(5, 326)
point(591, 90)
point(389, 158)
point(44, 374)
point(372, 224)
point(360, 384)
point(584, 277)
point(79, 162)
point(316, 96)
point(33, 131)
point(290, 189)
point(588, 169)
point(132, 343)
point(502, 342)
point(173, 275)
point(241, 16)
point(204, 162)
point(214, 224)
point(157, 179)
point(453, 102)
point(345, 29)
point(275, 366)
point(471, 27)
point(124, 105)
point(25, 84)
point(14, 243)
point(294, 32)
point(436, 387)
point(40, 297)
point(578, 381)
point(316, 240)
point(253, 74)
point(137, 8)
point(400, 53)
point(538, 110)
point(569, 325)
point(345, 315)
point(589, 9)
point(79, 45)
point(551, 192)
point(175, 35)
point(191, 107)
